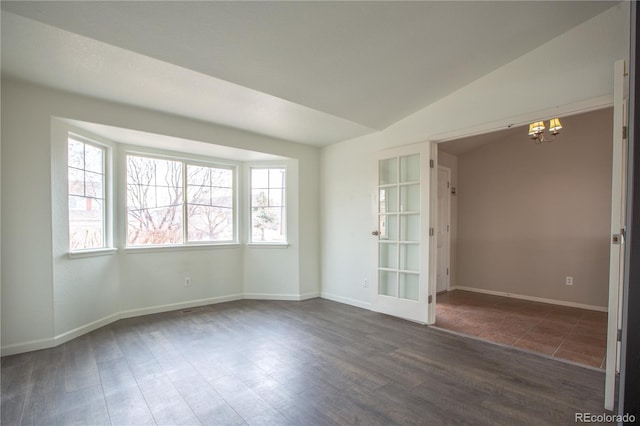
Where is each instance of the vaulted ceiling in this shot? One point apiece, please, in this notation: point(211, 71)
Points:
point(310, 72)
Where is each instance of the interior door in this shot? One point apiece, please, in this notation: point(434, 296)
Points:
point(618, 223)
point(443, 240)
point(401, 285)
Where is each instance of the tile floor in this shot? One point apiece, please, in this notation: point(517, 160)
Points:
point(577, 335)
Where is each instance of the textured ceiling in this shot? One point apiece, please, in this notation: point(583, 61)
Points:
point(311, 72)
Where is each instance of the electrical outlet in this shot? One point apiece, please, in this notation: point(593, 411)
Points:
point(568, 280)
point(187, 281)
point(365, 283)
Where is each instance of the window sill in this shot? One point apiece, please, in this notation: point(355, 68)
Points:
point(91, 253)
point(181, 247)
point(269, 245)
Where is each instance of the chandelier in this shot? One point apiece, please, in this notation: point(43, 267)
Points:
point(536, 130)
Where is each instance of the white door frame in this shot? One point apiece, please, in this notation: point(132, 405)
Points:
point(618, 224)
point(447, 236)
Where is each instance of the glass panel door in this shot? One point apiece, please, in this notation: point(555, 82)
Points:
point(402, 243)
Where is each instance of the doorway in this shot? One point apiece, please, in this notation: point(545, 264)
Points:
point(443, 230)
point(522, 233)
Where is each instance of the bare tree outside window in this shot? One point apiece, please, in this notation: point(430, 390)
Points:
point(157, 199)
point(268, 207)
point(154, 201)
point(209, 203)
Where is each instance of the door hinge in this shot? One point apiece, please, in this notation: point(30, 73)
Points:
point(624, 132)
point(447, 228)
point(448, 186)
point(619, 335)
point(447, 271)
point(431, 232)
point(431, 163)
point(430, 299)
point(618, 238)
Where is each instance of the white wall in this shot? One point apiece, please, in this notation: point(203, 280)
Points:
point(531, 215)
point(573, 68)
point(47, 297)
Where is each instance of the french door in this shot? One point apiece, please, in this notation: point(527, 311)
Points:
point(402, 283)
point(618, 224)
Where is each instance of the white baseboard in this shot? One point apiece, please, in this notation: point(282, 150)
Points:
point(346, 300)
point(59, 339)
point(181, 305)
point(32, 345)
point(310, 295)
point(271, 296)
point(531, 298)
point(36, 345)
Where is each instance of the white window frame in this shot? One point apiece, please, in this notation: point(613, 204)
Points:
point(107, 204)
point(185, 161)
point(285, 206)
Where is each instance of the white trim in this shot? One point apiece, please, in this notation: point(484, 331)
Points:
point(268, 245)
point(581, 107)
point(34, 345)
point(179, 247)
point(180, 305)
point(532, 298)
point(309, 295)
point(91, 253)
point(275, 296)
point(346, 300)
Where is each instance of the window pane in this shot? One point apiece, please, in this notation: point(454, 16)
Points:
point(210, 223)
point(222, 197)
point(388, 171)
point(76, 154)
point(85, 223)
point(276, 178)
point(267, 224)
point(268, 205)
point(410, 168)
point(210, 204)
point(93, 185)
point(168, 173)
point(387, 283)
point(276, 197)
point(85, 183)
point(168, 196)
point(260, 178)
point(76, 182)
point(199, 195)
point(156, 226)
point(198, 175)
point(93, 159)
point(154, 201)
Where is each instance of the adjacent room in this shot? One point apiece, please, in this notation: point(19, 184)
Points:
point(531, 238)
point(215, 212)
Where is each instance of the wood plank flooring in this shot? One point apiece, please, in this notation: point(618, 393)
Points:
point(314, 362)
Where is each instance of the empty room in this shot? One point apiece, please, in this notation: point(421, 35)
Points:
point(225, 212)
point(531, 232)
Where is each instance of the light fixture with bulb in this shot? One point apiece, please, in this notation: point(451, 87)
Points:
point(536, 130)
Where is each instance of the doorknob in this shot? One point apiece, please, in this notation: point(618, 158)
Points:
point(375, 233)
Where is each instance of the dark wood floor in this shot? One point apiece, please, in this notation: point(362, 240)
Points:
point(289, 363)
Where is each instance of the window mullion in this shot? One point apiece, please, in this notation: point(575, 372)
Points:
point(185, 220)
